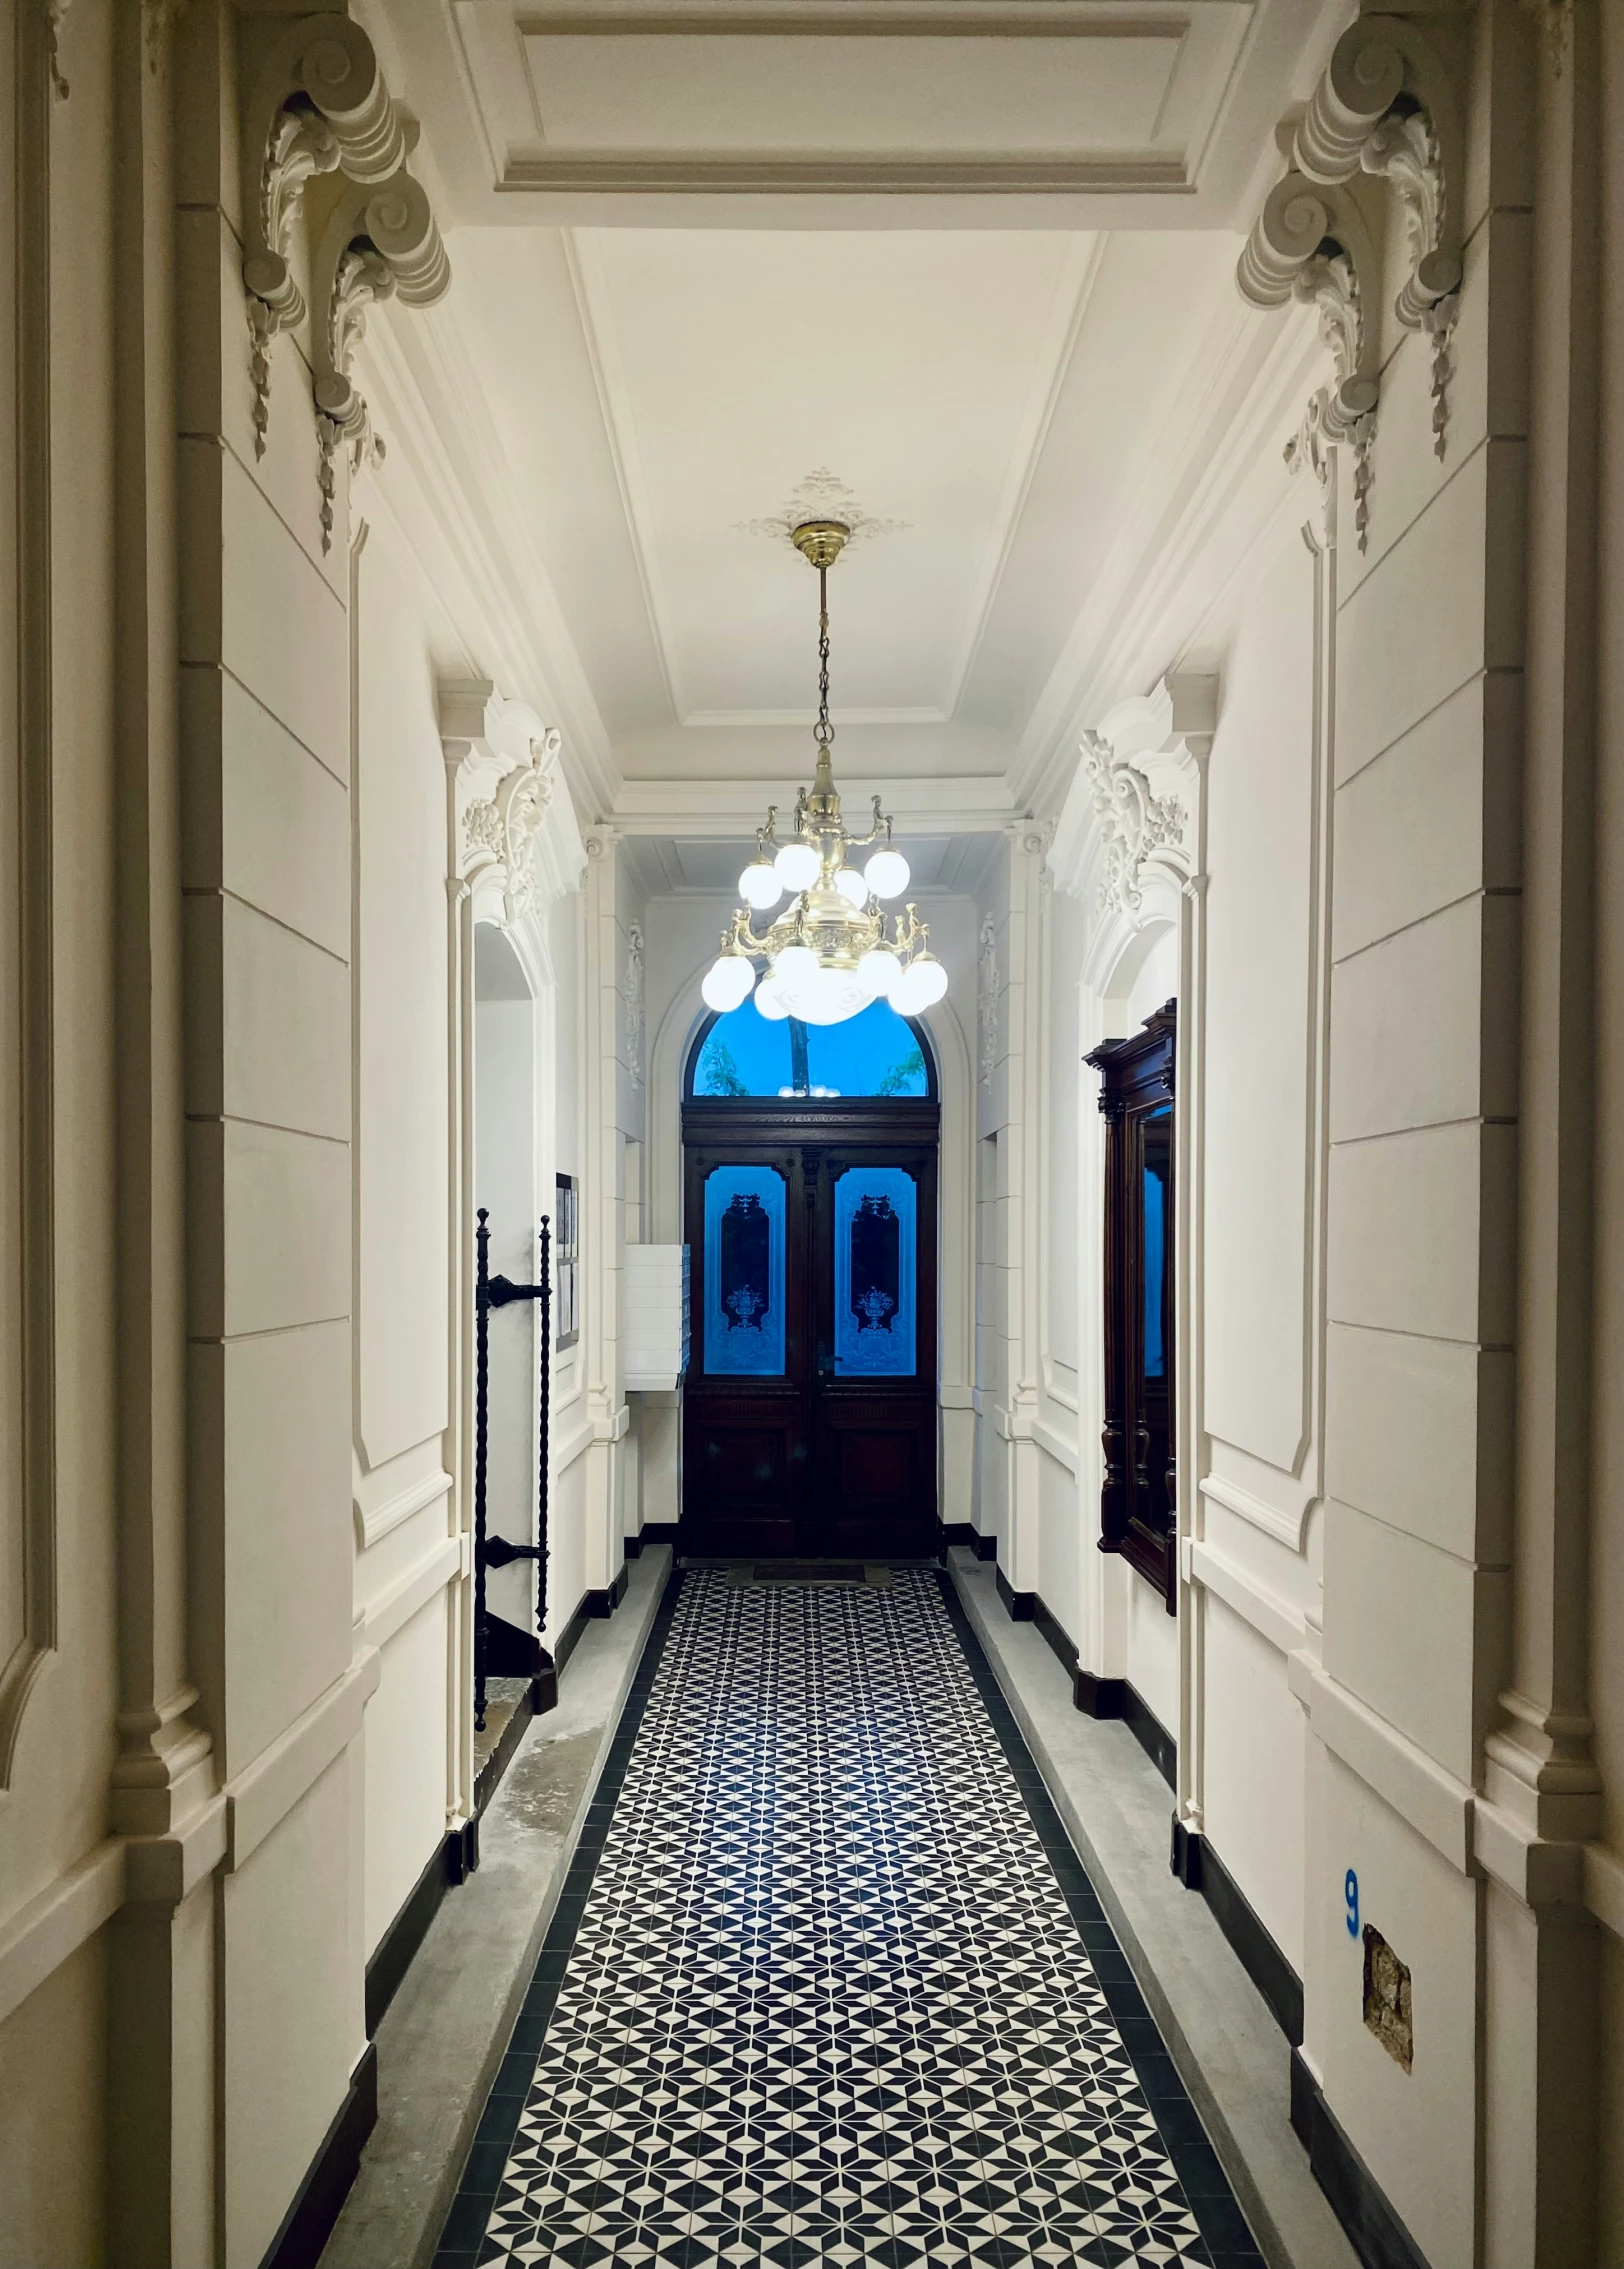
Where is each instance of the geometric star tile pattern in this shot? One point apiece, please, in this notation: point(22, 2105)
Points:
point(827, 1983)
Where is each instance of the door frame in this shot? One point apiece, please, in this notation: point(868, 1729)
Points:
point(759, 1126)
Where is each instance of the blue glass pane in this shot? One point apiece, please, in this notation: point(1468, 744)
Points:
point(1155, 1250)
point(744, 1272)
point(875, 1052)
point(876, 1221)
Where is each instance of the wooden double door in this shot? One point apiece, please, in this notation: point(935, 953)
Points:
point(809, 1410)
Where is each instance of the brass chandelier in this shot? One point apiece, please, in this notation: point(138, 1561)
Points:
point(833, 949)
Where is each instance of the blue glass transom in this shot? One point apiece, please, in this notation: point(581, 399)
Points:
point(744, 1272)
point(875, 1052)
point(876, 1232)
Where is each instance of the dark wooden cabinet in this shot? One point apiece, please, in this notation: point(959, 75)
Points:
point(1139, 1496)
point(809, 1407)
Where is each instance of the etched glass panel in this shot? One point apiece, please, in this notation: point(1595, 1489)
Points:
point(1158, 1164)
point(744, 1272)
point(876, 1273)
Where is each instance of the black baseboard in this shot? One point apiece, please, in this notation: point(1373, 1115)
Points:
point(1022, 1605)
point(591, 1607)
point(1199, 1868)
point(1151, 1735)
point(452, 1863)
point(308, 2222)
point(651, 1532)
point(1054, 1631)
point(1098, 1697)
point(1374, 2230)
point(602, 1604)
point(960, 1532)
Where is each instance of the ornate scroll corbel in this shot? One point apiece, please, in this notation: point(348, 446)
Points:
point(1384, 106)
point(1133, 821)
point(1310, 244)
point(379, 243)
point(319, 102)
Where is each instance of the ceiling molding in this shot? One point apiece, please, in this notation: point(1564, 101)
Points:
point(1068, 311)
point(591, 289)
point(431, 406)
point(721, 719)
point(720, 808)
point(1252, 390)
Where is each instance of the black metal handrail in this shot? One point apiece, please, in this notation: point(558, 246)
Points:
point(496, 1551)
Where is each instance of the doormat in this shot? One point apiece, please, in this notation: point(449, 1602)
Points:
point(809, 1572)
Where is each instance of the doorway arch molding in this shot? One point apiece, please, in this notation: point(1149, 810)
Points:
point(513, 845)
point(1130, 847)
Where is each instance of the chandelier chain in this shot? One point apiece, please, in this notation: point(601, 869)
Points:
point(823, 732)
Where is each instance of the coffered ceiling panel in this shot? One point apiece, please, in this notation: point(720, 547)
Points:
point(829, 113)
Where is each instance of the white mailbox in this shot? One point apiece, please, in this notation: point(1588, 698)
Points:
point(655, 1288)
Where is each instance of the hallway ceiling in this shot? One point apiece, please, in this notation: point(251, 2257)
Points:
point(1005, 402)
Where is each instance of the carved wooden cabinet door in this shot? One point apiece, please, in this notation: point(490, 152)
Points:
point(1138, 1497)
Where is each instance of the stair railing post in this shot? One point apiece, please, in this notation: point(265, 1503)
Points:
point(482, 1328)
point(544, 1280)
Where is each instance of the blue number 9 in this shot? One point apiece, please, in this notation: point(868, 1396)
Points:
point(1350, 1892)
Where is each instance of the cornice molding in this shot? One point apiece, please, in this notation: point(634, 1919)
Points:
point(318, 104)
point(1383, 109)
point(442, 493)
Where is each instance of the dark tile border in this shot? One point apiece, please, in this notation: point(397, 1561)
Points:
point(1374, 2230)
point(1222, 2224)
point(308, 2222)
point(463, 2234)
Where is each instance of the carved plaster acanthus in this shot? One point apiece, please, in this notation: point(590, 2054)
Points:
point(1384, 106)
point(380, 243)
point(634, 1004)
point(987, 998)
point(1133, 822)
point(1310, 244)
point(319, 104)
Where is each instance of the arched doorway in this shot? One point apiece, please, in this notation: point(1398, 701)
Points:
point(506, 1182)
point(810, 1210)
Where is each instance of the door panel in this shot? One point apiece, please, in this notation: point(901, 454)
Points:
point(809, 1413)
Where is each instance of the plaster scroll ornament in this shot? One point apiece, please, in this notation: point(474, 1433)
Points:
point(482, 828)
point(1310, 245)
point(318, 105)
point(987, 998)
point(1133, 821)
point(379, 244)
point(1384, 106)
point(634, 1003)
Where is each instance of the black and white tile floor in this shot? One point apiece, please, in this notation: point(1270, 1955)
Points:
point(827, 1982)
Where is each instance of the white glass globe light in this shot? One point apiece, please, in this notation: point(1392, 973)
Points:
point(798, 866)
point(887, 874)
point(830, 996)
point(852, 888)
point(879, 971)
point(759, 885)
point(794, 966)
point(770, 1001)
point(728, 982)
point(920, 986)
